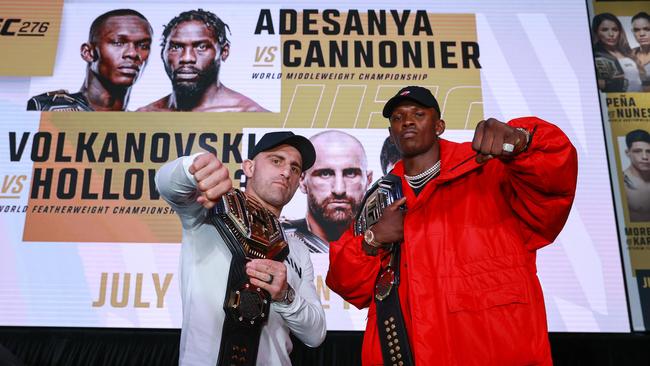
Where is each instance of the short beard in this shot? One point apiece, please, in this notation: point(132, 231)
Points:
point(333, 222)
point(188, 94)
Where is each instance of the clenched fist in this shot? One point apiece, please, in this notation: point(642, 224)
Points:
point(212, 177)
point(494, 138)
point(390, 227)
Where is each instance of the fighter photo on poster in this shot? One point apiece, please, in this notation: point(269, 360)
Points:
point(621, 43)
point(622, 62)
point(121, 46)
point(116, 53)
point(636, 176)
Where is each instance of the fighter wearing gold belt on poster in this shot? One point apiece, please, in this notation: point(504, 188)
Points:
point(116, 54)
point(245, 286)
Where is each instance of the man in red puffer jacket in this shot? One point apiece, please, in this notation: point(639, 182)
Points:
point(475, 215)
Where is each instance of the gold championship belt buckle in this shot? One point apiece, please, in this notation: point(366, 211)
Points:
point(381, 195)
point(257, 234)
point(385, 283)
point(607, 69)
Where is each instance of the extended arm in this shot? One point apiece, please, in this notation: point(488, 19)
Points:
point(542, 173)
point(544, 180)
point(191, 183)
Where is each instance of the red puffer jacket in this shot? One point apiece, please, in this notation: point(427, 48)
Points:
point(469, 289)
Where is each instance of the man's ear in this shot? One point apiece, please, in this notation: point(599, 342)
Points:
point(225, 51)
point(390, 135)
point(439, 127)
point(248, 166)
point(369, 177)
point(88, 53)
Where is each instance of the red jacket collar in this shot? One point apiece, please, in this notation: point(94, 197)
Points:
point(456, 160)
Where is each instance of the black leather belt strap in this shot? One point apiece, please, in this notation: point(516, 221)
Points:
point(239, 339)
point(395, 348)
point(393, 338)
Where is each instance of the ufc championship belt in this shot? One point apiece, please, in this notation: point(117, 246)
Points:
point(59, 101)
point(297, 229)
point(611, 72)
point(251, 232)
point(393, 338)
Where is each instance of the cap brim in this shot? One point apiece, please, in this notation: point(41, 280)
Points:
point(394, 101)
point(304, 147)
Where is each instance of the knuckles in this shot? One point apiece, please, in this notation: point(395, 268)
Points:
point(213, 194)
point(213, 180)
point(203, 186)
point(491, 122)
point(205, 161)
point(486, 130)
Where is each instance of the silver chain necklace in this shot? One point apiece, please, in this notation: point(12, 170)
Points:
point(417, 181)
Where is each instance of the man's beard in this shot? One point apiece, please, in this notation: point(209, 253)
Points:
point(332, 220)
point(188, 94)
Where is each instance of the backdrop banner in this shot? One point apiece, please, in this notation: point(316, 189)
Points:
point(96, 97)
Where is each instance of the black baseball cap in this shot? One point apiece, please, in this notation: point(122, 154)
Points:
point(417, 94)
point(301, 143)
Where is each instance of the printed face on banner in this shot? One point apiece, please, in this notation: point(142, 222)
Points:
point(608, 33)
point(641, 30)
point(119, 49)
point(634, 150)
point(194, 45)
point(620, 51)
point(639, 154)
point(337, 182)
point(192, 57)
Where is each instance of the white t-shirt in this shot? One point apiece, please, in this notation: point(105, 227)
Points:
point(205, 263)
